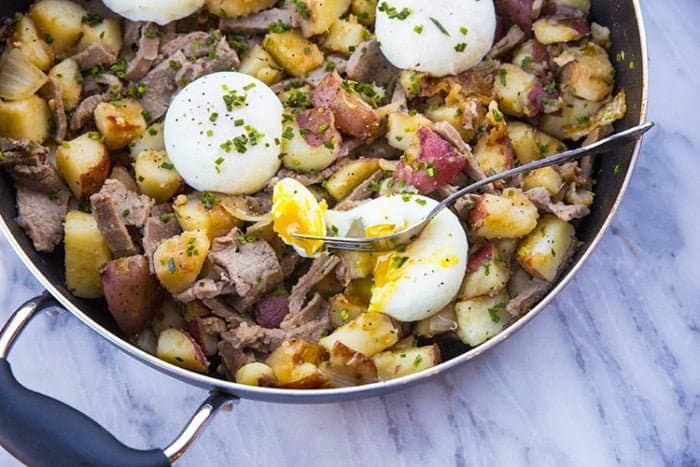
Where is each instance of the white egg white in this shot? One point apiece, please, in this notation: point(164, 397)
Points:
point(435, 263)
point(157, 11)
point(440, 37)
point(229, 149)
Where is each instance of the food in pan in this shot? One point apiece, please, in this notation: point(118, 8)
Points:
point(173, 152)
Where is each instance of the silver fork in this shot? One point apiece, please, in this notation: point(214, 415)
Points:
point(406, 236)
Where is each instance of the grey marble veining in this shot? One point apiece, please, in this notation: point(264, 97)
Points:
point(608, 375)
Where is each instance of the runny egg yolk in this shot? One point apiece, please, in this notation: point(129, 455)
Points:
point(296, 211)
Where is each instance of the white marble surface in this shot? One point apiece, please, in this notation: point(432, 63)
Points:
point(608, 375)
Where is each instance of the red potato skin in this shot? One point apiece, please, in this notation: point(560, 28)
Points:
point(271, 310)
point(318, 126)
point(92, 180)
point(486, 252)
point(515, 12)
point(131, 292)
point(208, 342)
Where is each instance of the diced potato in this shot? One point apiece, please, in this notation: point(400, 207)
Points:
point(451, 114)
point(369, 333)
point(547, 177)
point(26, 38)
point(234, 8)
point(488, 272)
point(511, 215)
point(493, 156)
point(108, 31)
point(365, 10)
point(587, 72)
point(402, 128)
point(574, 112)
point(156, 175)
point(530, 144)
point(193, 214)
point(66, 75)
point(294, 364)
point(120, 122)
point(297, 55)
point(444, 321)
point(151, 140)
point(343, 310)
point(299, 155)
point(86, 251)
point(121, 174)
point(554, 31)
point(397, 363)
point(512, 89)
point(84, 164)
point(59, 22)
point(347, 367)
point(179, 260)
point(481, 318)
point(360, 264)
point(131, 292)
point(345, 36)
point(260, 64)
point(169, 315)
point(349, 176)
point(177, 347)
point(543, 252)
point(25, 119)
point(256, 374)
point(412, 82)
point(318, 15)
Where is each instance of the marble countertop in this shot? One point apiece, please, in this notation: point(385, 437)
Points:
point(607, 375)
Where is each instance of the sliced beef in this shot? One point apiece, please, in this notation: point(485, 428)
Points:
point(510, 41)
point(28, 164)
point(85, 111)
point(522, 302)
point(567, 212)
point(310, 322)
point(147, 53)
point(192, 45)
point(160, 226)
point(59, 111)
point(97, 54)
point(135, 208)
point(41, 216)
point(318, 126)
point(102, 83)
point(362, 192)
point(368, 64)
point(226, 312)
point(204, 289)
point(320, 268)
point(259, 23)
point(337, 64)
point(251, 266)
point(160, 84)
point(222, 58)
point(450, 133)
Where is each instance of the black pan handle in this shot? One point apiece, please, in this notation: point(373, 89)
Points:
point(41, 431)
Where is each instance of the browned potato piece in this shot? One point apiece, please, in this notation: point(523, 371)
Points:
point(511, 215)
point(487, 272)
point(156, 175)
point(179, 260)
point(556, 30)
point(369, 333)
point(297, 55)
point(260, 64)
point(344, 310)
point(547, 177)
point(83, 163)
point(86, 251)
point(493, 156)
point(256, 374)
point(177, 347)
point(587, 72)
point(397, 363)
point(294, 364)
point(26, 38)
point(60, 23)
point(347, 367)
point(543, 252)
point(25, 119)
point(349, 176)
point(108, 31)
point(481, 318)
point(365, 10)
point(66, 75)
point(318, 15)
point(234, 8)
point(530, 144)
point(402, 128)
point(345, 36)
point(193, 214)
point(132, 293)
point(120, 122)
point(512, 89)
point(575, 111)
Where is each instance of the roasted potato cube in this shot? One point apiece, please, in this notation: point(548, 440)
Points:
point(574, 112)
point(318, 15)
point(530, 144)
point(131, 292)
point(60, 24)
point(488, 272)
point(481, 318)
point(587, 72)
point(151, 140)
point(345, 36)
point(26, 38)
point(156, 175)
point(369, 333)
point(66, 75)
point(260, 64)
point(194, 214)
point(86, 251)
point(444, 321)
point(234, 8)
point(256, 374)
point(402, 128)
point(365, 10)
point(177, 347)
point(84, 164)
point(511, 215)
point(349, 176)
point(25, 119)
point(543, 252)
point(120, 122)
point(493, 156)
point(300, 156)
point(396, 363)
point(179, 260)
point(547, 177)
point(347, 367)
point(451, 114)
point(343, 310)
point(294, 364)
point(512, 89)
point(297, 55)
point(359, 264)
point(108, 31)
point(557, 30)
point(169, 315)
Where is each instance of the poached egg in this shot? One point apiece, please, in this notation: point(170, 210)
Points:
point(158, 11)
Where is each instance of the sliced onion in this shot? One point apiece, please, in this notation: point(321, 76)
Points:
point(387, 165)
point(19, 77)
point(239, 208)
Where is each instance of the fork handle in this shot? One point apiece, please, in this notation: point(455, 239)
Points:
point(598, 147)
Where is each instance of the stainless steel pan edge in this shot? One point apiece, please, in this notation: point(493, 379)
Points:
point(335, 395)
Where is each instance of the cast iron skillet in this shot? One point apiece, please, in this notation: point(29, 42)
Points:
point(39, 430)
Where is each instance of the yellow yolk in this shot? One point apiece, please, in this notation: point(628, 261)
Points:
point(296, 211)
